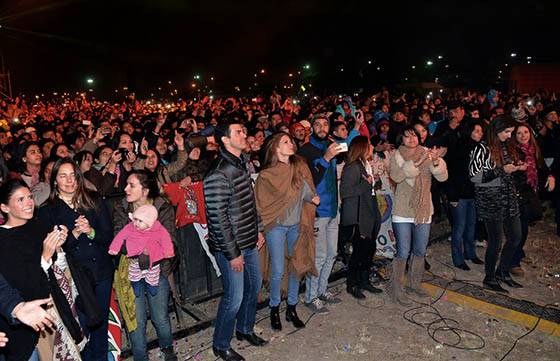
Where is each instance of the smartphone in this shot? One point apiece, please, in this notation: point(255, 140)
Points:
point(343, 147)
point(86, 122)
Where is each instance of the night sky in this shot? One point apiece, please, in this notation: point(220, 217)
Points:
point(56, 45)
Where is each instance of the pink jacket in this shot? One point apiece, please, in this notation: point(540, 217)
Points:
point(156, 241)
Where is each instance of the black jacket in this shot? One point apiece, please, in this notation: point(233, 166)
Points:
point(359, 206)
point(91, 254)
point(233, 222)
point(20, 264)
point(459, 185)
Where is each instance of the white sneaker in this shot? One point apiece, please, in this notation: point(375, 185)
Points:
point(481, 244)
point(317, 306)
point(329, 298)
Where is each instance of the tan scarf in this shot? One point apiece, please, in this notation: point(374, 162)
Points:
point(421, 199)
point(274, 194)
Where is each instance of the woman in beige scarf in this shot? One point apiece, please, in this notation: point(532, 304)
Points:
point(286, 202)
point(412, 167)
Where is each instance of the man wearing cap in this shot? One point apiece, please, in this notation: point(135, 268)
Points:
point(320, 153)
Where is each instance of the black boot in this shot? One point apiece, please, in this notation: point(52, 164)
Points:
point(228, 355)
point(292, 316)
point(275, 318)
point(492, 284)
point(355, 292)
point(366, 285)
point(505, 277)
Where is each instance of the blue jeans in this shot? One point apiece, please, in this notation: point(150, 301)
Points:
point(97, 347)
point(410, 235)
point(462, 237)
point(158, 305)
point(276, 240)
point(34, 355)
point(326, 238)
point(239, 302)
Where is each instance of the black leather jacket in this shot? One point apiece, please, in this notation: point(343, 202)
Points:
point(233, 222)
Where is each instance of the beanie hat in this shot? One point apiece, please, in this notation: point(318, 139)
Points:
point(502, 122)
point(147, 214)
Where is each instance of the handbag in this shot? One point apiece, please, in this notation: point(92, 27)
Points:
point(531, 204)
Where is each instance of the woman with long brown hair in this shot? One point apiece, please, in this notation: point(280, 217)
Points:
point(89, 235)
point(528, 181)
point(359, 211)
point(286, 200)
point(491, 166)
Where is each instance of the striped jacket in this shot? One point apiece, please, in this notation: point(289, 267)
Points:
point(495, 191)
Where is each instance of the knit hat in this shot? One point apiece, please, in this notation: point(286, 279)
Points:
point(502, 122)
point(147, 214)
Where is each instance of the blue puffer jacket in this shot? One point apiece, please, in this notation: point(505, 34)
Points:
point(324, 175)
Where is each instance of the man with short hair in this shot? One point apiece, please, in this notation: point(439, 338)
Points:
point(320, 154)
point(234, 237)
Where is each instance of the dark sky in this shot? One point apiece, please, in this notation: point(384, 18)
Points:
point(56, 45)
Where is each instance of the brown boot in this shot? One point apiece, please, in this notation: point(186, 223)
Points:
point(415, 274)
point(395, 287)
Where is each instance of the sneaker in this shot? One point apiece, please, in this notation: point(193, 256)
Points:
point(329, 298)
point(317, 306)
point(169, 354)
point(481, 244)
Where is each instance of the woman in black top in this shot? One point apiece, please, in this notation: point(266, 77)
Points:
point(491, 166)
point(89, 236)
point(27, 247)
point(460, 194)
point(359, 211)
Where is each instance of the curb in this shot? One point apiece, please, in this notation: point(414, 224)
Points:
point(523, 319)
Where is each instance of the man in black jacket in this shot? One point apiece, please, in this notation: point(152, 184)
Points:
point(234, 237)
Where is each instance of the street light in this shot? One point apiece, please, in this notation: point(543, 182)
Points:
point(307, 66)
point(429, 62)
point(513, 55)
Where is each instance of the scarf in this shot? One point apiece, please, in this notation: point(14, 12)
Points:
point(421, 200)
point(532, 175)
point(274, 194)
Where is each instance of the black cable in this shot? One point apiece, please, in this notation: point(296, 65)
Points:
point(442, 324)
point(528, 332)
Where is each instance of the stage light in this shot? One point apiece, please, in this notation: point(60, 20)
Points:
point(429, 62)
point(513, 55)
point(89, 80)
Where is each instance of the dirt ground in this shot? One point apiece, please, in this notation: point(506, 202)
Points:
point(375, 329)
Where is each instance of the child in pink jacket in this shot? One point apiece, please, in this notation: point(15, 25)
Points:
point(147, 243)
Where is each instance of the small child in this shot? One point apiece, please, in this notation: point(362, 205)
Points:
point(147, 243)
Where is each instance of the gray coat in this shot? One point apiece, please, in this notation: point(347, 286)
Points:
point(359, 206)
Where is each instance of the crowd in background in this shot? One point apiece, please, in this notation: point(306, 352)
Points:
point(483, 160)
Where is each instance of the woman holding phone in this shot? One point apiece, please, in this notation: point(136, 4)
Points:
point(491, 166)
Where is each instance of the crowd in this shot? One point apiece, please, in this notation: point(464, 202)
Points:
point(98, 196)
